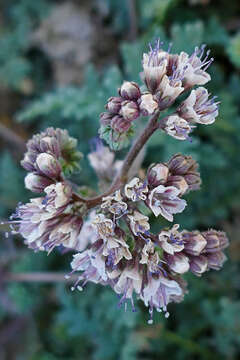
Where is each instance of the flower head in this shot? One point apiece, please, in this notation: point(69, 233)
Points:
point(51, 221)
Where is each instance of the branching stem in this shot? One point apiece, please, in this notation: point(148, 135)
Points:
point(121, 178)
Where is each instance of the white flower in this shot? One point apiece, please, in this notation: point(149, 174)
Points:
point(194, 67)
point(198, 108)
point(148, 105)
point(103, 226)
point(114, 203)
point(129, 280)
point(170, 88)
point(92, 263)
point(164, 200)
point(160, 291)
point(150, 257)
point(139, 223)
point(102, 160)
point(136, 190)
point(154, 66)
point(88, 234)
point(177, 127)
point(60, 194)
point(171, 240)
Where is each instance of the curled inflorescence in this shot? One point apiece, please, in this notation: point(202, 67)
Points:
point(111, 233)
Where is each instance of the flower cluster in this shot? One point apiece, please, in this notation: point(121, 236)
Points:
point(49, 154)
point(111, 233)
point(166, 76)
point(55, 218)
point(131, 259)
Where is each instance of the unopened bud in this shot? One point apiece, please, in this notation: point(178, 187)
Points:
point(36, 183)
point(48, 165)
point(157, 174)
point(114, 105)
point(193, 180)
point(120, 124)
point(198, 265)
point(179, 182)
point(179, 263)
point(50, 145)
point(194, 242)
point(180, 164)
point(129, 110)
point(216, 240)
point(105, 118)
point(130, 90)
point(216, 260)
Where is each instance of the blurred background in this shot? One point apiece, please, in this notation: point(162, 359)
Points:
point(59, 62)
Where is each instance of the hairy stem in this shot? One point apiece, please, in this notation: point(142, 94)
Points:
point(121, 178)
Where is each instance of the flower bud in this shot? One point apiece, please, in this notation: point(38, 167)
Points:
point(216, 241)
point(120, 124)
point(36, 183)
point(157, 174)
point(105, 118)
point(193, 180)
point(129, 110)
point(216, 260)
point(179, 182)
point(50, 145)
point(114, 105)
point(28, 162)
point(178, 262)
point(130, 90)
point(48, 165)
point(180, 164)
point(198, 265)
point(148, 105)
point(194, 242)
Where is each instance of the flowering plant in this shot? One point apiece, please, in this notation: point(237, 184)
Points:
point(111, 232)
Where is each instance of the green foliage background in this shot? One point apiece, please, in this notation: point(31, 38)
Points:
point(53, 323)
